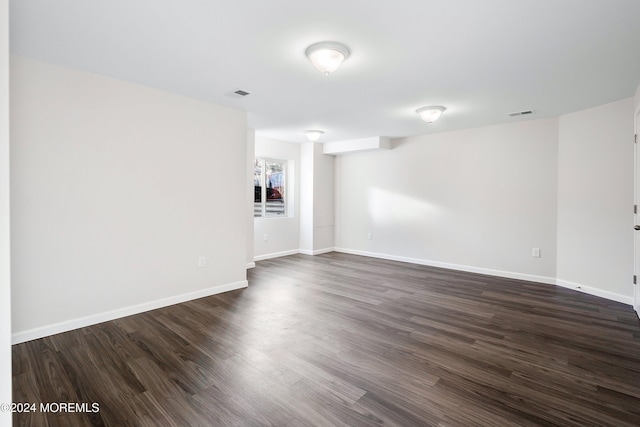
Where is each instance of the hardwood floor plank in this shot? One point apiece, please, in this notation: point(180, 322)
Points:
point(344, 340)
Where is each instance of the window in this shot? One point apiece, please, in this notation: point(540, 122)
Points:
point(269, 184)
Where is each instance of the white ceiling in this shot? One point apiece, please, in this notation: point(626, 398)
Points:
point(481, 59)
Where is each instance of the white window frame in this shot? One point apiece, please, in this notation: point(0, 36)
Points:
point(263, 204)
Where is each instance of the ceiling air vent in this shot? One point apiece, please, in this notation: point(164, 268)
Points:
point(238, 93)
point(521, 113)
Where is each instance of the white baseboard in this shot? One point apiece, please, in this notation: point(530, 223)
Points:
point(316, 252)
point(251, 265)
point(69, 325)
point(292, 252)
point(508, 274)
point(595, 292)
point(275, 255)
point(470, 269)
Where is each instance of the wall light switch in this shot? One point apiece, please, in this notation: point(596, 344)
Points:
point(535, 252)
point(202, 261)
point(368, 236)
point(265, 238)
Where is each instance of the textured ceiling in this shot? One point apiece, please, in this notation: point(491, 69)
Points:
point(481, 59)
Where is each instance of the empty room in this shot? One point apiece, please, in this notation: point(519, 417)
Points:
point(331, 213)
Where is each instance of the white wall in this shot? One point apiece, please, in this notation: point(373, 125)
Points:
point(117, 189)
point(283, 232)
point(595, 200)
point(5, 254)
point(306, 197)
point(323, 200)
point(477, 200)
point(317, 214)
point(251, 143)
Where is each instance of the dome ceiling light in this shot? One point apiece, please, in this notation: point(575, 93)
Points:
point(430, 114)
point(327, 56)
point(313, 135)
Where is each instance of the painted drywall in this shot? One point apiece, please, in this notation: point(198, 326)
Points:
point(117, 190)
point(317, 199)
point(323, 200)
point(251, 142)
point(595, 200)
point(5, 253)
point(283, 233)
point(357, 145)
point(479, 199)
point(306, 197)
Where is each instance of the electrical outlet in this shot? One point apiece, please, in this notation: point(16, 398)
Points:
point(369, 236)
point(202, 261)
point(535, 252)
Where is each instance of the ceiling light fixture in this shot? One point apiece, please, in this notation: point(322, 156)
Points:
point(313, 135)
point(430, 114)
point(327, 56)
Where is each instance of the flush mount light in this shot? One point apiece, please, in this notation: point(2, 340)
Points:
point(313, 135)
point(327, 56)
point(430, 114)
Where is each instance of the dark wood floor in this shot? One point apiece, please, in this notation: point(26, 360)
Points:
point(349, 341)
